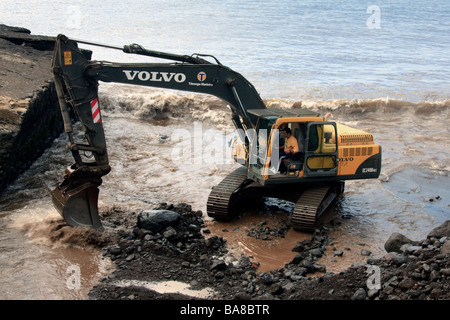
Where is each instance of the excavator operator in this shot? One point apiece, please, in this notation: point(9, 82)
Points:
point(290, 142)
point(291, 149)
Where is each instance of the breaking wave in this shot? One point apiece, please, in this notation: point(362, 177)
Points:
point(378, 106)
point(157, 104)
point(161, 105)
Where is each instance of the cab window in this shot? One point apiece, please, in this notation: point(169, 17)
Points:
point(259, 147)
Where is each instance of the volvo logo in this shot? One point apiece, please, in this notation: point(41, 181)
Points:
point(155, 76)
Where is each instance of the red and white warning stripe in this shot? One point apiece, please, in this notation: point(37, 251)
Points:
point(95, 111)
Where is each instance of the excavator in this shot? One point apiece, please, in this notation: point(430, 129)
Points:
point(312, 177)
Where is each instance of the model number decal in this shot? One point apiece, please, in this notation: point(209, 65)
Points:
point(346, 159)
point(369, 170)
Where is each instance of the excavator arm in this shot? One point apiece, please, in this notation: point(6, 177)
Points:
point(76, 81)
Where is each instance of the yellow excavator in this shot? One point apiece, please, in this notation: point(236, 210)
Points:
point(311, 175)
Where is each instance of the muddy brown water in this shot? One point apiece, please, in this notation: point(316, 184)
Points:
point(161, 155)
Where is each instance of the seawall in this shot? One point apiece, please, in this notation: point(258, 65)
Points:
point(29, 111)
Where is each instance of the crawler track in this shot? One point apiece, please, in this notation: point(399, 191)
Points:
point(312, 203)
point(220, 200)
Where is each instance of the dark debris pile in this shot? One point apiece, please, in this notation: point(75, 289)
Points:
point(182, 251)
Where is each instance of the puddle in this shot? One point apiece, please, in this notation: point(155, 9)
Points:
point(271, 252)
point(168, 287)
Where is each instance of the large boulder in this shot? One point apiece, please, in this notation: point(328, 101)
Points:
point(396, 241)
point(441, 231)
point(157, 220)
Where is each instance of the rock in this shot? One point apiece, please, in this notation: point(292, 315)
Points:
point(399, 260)
point(276, 289)
point(267, 278)
point(298, 258)
point(242, 296)
point(317, 252)
point(130, 257)
point(395, 258)
point(157, 220)
point(300, 273)
point(320, 267)
point(115, 250)
point(407, 283)
point(288, 287)
point(169, 233)
point(309, 265)
point(218, 265)
point(365, 252)
point(299, 247)
point(408, 248)
point(194, 228)
point(147, 237)
point(434, 275)
point(396, 241)
point(441, 231)
point(436, 293)
point(445, 249)
point(287, 274)
point(388, 290)
point(372, 293)
point(359, 294)
point(445, 272)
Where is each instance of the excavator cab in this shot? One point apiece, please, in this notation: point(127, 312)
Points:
point(317, 155)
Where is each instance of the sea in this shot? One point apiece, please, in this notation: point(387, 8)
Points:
point(380, 66)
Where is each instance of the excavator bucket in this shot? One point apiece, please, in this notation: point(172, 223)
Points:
point(78, 205)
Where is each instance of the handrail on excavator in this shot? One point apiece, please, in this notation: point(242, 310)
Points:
point(135, 48)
